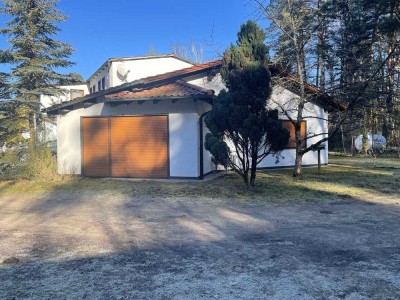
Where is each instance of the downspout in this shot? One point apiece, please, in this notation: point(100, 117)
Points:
point(201, 177)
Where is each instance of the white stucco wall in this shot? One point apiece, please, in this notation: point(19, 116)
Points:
point(103, 73)
point(317, 128)
point(183, 145)
point(215, 83)
point(313, 114)
point(47, 101)
point(138, 68)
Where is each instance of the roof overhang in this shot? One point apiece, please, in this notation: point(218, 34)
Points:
point(197, 71)
point(141, 84)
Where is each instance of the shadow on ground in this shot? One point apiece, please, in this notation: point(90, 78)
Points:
point(114, 243)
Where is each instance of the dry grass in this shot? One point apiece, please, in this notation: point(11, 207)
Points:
point(350, 177)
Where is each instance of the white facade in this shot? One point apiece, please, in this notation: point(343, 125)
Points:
point(317, 128)
point(137, 68)
point(68, 93)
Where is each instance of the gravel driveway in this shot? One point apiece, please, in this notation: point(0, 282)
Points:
point(120, 247)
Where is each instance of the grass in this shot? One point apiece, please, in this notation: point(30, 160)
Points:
point(350, 177)
point(367, 162)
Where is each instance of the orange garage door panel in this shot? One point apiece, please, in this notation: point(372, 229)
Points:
point(96, 159)
point(139, 146)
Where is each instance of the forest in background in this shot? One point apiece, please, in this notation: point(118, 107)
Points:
point(348, 49)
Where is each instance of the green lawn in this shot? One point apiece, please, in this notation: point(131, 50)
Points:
point(348, 178)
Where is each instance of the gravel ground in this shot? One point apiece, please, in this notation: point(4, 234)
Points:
point(120, 247)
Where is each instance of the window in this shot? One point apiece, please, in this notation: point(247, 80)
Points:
point(73, 94)
point(94, 88)
point(103, 83)
point(303, 133)
point(99, 85)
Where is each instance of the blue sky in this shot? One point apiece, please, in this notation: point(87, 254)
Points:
point(99, 29)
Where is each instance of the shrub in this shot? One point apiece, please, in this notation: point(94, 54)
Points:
point(41, 164)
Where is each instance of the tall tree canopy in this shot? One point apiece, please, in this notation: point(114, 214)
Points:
point(36, 57)
point(239, 122)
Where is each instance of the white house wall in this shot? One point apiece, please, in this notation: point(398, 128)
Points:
point(314, 115)
point(47, 101)
point(183, 133)
point(214, 83)
point(184, 145)
point(148, 67)
point(317, 128)
point(104, 73)
point(138, 68)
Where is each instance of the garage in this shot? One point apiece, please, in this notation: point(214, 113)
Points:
point(121, 146)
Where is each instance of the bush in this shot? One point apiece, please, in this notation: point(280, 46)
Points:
point(10, 163)
point(41, 164)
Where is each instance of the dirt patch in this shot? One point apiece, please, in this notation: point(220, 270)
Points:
point(121, 246)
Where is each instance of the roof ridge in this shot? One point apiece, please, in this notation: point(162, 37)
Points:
point(182, 71)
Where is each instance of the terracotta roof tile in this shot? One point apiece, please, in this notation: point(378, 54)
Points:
point(176, 89)
point(185, 71)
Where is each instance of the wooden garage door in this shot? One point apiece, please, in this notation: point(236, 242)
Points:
point(139, 146)
point(125, 146)
point(96, 158)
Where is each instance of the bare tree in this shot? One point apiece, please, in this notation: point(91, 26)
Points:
point(193, 51)
point(351, 71)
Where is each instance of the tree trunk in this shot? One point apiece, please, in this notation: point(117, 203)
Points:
point(298, 171)
point(300, 57)
point(321, 51)
point(343, 142)
point(245, 178)
point(253, 172)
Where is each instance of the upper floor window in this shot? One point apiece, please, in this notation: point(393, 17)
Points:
point(99, 85)
point(292, 139)
point(103, 83)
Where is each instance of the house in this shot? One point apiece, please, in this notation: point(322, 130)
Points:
point(144, 117)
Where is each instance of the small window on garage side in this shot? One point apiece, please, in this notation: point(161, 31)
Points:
point(292, 139)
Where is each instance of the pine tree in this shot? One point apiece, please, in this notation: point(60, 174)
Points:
point(363, 43)
point(239, 116)
point(36, 57)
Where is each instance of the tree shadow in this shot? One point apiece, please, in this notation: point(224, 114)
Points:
point(105, 239)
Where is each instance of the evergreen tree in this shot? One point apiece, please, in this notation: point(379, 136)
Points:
point(239, 116)
point(36, 57)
